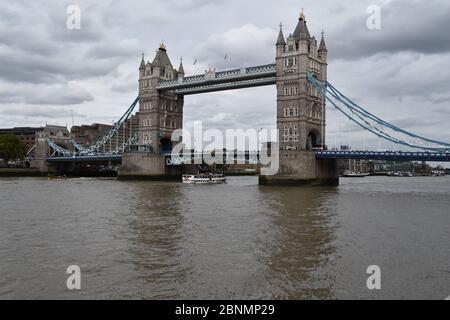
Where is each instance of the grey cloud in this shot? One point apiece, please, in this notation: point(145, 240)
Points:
point(39, 47)
point(245, 46)
point(36, 69)
point(126, 87)
point(413, 26)
point(45, 95)
point(123, 49)
point(41, 112)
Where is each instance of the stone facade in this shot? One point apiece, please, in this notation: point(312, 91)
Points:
point(300, 108)
point(60, 135)
point(301, 116)
point(88, 135)
point(160, 112)
point(302, 168)
point(148, 167)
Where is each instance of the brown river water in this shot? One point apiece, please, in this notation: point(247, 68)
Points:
point(148, 240)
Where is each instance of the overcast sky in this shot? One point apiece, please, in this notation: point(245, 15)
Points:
point(400, 72)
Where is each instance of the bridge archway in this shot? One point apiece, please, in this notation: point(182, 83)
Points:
point(313, 139)
point(165, 145)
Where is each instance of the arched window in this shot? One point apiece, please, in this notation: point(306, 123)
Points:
point(147, 138)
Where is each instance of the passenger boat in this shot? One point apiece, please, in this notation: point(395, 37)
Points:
point(351, 174)
point(204, 178)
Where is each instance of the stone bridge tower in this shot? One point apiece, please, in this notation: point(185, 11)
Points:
point(300, 109)
point(160, 112)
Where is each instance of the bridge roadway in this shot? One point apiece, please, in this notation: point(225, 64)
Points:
point(93, 158)
point(385, 155)
point(357, 155)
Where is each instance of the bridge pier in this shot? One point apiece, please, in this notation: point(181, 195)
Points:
point(301, 168)
point(146, 166)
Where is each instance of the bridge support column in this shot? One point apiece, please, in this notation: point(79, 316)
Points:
point(142, 166)
point(40, 159)
point(301, 111)
point(301, 168)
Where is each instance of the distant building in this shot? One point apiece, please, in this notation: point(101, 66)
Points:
point(55, 131)
point(88, 135)
point(416, 168)
point(26, 134)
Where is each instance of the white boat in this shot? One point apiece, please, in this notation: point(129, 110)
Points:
point(204, 178)
point(350, 174)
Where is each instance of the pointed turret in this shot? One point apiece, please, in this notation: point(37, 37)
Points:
point(142, 66)
point(161, 58)
point(280, 40)
point(181, 69)
point(322, 46)
point(301, 31)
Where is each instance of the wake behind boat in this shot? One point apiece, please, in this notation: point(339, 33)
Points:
point(204, 178)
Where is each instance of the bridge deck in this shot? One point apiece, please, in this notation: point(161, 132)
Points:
point(96, 158)
point(384, 155)
point(248, 156)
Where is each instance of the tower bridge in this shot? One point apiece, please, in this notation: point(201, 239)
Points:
point(300, 76)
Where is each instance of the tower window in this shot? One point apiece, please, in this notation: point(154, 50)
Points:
point(147, 138)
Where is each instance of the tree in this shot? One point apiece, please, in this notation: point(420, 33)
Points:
point(11, 148)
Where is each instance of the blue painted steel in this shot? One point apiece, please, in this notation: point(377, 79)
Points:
point(94, 149)
point(362, 117)
point(247, 157)
point(385, 155)
point(93, 158)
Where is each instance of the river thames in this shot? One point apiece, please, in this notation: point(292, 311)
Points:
point(148, 240)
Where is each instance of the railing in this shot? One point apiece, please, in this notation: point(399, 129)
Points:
point(93, 158)
point(384, 155)
point(219, 157)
